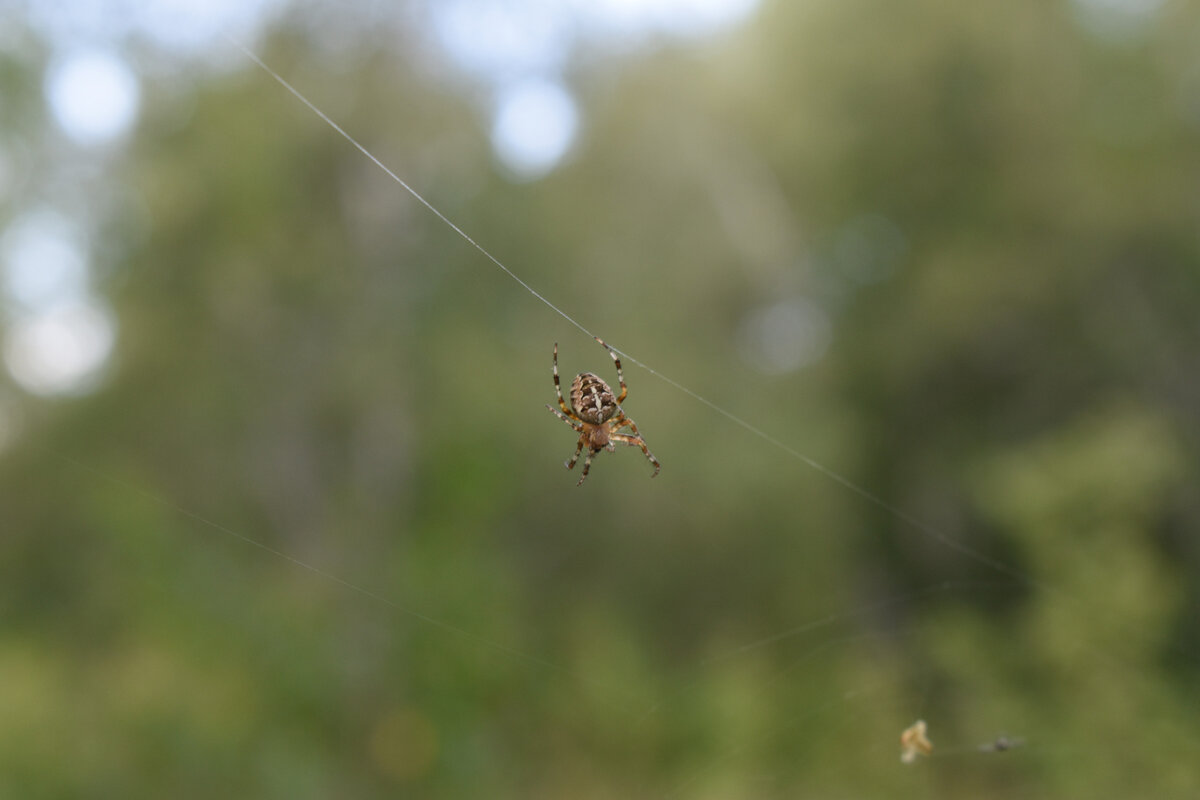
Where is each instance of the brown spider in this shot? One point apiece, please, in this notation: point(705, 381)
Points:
point(597, 415)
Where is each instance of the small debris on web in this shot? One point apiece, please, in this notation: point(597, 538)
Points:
point(1000, 745)
point(913, 742)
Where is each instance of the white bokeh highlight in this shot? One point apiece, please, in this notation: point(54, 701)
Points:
point(94, 96)
point(61, 351)
point(534, 127)
point(672, 17)
point(785, 336)
point(43, 262)
point(522, 47)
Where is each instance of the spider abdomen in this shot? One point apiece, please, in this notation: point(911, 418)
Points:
point(592, 398)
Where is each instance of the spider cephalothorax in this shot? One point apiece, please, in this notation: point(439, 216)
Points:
point(595, 413)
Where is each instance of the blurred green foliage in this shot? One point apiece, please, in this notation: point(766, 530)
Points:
point(312, 537)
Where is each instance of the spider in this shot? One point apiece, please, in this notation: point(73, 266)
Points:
point(597, 415)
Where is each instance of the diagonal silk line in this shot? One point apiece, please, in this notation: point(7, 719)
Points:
point(836, 477)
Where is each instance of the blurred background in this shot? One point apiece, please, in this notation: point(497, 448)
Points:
point(282, 513)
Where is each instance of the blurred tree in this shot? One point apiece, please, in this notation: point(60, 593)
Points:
point(313, 538)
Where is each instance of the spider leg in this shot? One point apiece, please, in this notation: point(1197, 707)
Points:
point(578, 449)
point(615, 424)
point(620, 377)
point(635, 440)
point(574, 423)
point(587, 464)
point(558, 389)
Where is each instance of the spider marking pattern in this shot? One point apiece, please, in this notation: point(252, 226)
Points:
point(595, 414)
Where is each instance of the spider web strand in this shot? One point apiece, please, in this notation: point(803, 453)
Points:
point(328, 121)
point(846, 483)
point(832, 475)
